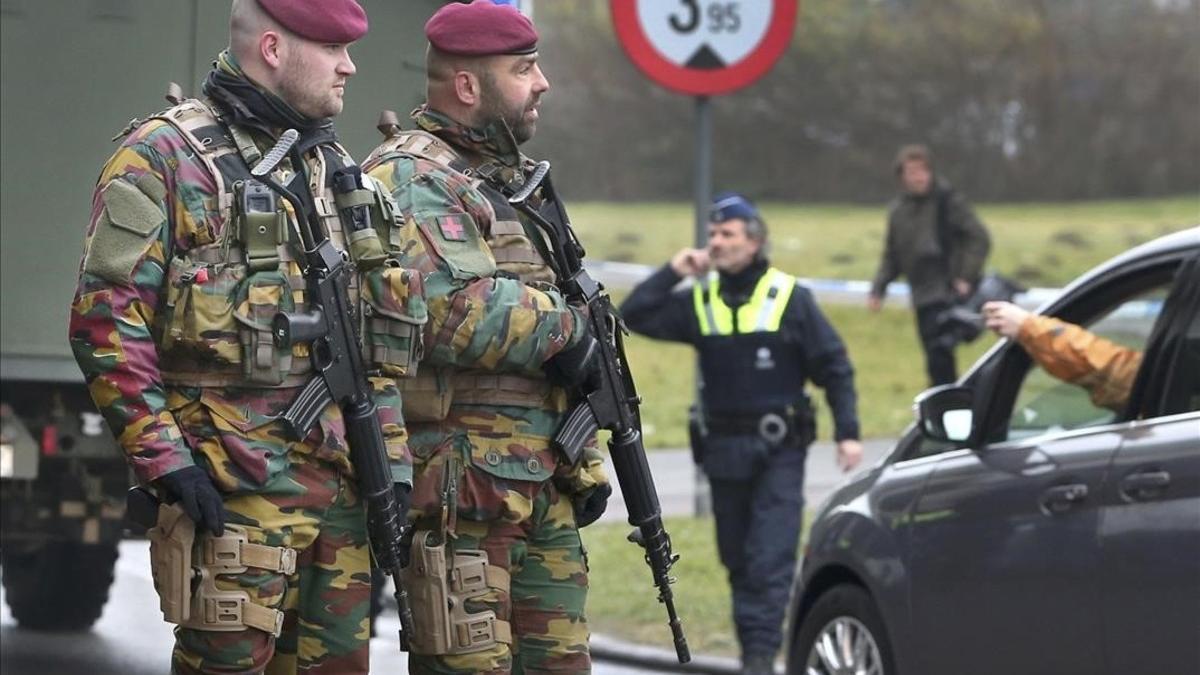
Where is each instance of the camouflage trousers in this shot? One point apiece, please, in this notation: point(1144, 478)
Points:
point(540, 547)
point(313, 507)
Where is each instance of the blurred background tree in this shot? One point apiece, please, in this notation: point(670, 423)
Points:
point(1020, 100)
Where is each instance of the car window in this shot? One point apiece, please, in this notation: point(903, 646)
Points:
point(1045, 404)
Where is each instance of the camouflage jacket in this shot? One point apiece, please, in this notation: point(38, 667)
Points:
point(495, 317)
point(160, 290)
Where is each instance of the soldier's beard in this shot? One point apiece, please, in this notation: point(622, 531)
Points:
point(494, 108)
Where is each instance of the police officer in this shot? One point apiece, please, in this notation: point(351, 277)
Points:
point(187, 260)
point(492, 502)
point(760, 337)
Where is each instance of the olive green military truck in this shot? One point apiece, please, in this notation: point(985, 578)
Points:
point(72, 74)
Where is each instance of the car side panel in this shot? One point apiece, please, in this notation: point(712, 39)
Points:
point(1150, 549)
point(866, 530)
point(999, 577)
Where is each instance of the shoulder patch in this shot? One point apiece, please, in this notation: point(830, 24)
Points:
point(124, 231)
point(129, 208)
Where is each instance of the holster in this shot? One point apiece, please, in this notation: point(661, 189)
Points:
point(185, 571)
point(171, 542)
point(439, 595)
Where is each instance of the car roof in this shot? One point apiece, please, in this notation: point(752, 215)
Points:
point(1176, 245)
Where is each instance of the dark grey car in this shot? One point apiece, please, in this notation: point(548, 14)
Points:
point(1056, 537)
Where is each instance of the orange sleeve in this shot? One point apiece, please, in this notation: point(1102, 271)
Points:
point(1075, 355)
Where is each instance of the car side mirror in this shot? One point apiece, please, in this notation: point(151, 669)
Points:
point(945, 413)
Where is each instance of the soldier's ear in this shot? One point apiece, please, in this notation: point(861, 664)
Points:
point(271, 48)
point(467, 88)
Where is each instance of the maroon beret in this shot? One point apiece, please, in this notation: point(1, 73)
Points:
point(481, 28)
point(329, 21)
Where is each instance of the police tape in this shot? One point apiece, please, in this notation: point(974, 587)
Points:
point(624, 276)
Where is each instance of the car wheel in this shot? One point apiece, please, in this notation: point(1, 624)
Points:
point(60, 585)
point(842, 634)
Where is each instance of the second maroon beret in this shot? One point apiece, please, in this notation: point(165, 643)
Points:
point(481, 28)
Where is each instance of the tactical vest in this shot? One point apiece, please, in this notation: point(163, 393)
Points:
point(428, 396)
point(747, 365)
point(215, 327)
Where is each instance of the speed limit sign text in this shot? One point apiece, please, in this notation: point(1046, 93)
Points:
point(704, 47)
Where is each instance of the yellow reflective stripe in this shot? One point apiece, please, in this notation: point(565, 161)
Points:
point(762, 313)
point(714, 316)
point(773, 314)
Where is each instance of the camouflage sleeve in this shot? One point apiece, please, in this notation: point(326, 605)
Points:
point(477, 318)
point(1073, 354)
point(585, 475)
point(395, 435)
point(120, 284)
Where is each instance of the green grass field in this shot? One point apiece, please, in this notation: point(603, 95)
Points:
point(623, 601)
point(1040, 244)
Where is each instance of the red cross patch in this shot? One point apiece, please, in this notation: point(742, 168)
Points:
point(452, 227)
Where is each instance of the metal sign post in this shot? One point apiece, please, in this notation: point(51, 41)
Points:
point(704, 48)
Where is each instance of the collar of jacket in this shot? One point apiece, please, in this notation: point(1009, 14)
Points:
point(493, 142)
point(247, 104)
point(740, 285)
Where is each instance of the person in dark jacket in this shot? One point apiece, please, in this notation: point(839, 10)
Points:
point(935, 240)
point(760, 337)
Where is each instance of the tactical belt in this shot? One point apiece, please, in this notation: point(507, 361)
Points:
point(470, 389)
point(234, 377)
point(773, 426)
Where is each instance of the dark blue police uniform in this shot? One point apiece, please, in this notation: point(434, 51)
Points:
point(760, 338)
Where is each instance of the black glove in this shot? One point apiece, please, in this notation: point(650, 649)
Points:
point(590, 507)
point(577, 365)
point(195, 492)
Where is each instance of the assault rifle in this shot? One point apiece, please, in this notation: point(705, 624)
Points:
point(610, 403)
point(341, 374)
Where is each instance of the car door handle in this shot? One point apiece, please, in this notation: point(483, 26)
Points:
point(1144, 485)
point(1062, 498)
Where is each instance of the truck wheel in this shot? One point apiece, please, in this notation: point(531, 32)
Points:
point(842, 633)
point(61, 585)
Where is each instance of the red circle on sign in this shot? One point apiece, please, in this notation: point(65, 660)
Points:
point(702, 81)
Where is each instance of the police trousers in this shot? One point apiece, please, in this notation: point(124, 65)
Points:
point(758, 504)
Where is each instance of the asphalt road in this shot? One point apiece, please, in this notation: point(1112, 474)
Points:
point(131, 638)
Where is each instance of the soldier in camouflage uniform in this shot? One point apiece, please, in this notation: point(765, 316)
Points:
point(171, 327)
point(482, 409)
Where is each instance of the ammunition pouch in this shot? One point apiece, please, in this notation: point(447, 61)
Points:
point(393, 315)
point(259, 298)
point(185, 571)
point(440, 596)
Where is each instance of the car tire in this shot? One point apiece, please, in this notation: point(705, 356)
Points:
point(846, 610)
point(61, 585)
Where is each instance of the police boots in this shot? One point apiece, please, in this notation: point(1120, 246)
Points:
point(758, 664)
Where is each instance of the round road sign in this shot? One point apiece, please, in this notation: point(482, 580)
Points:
point(704, 46)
